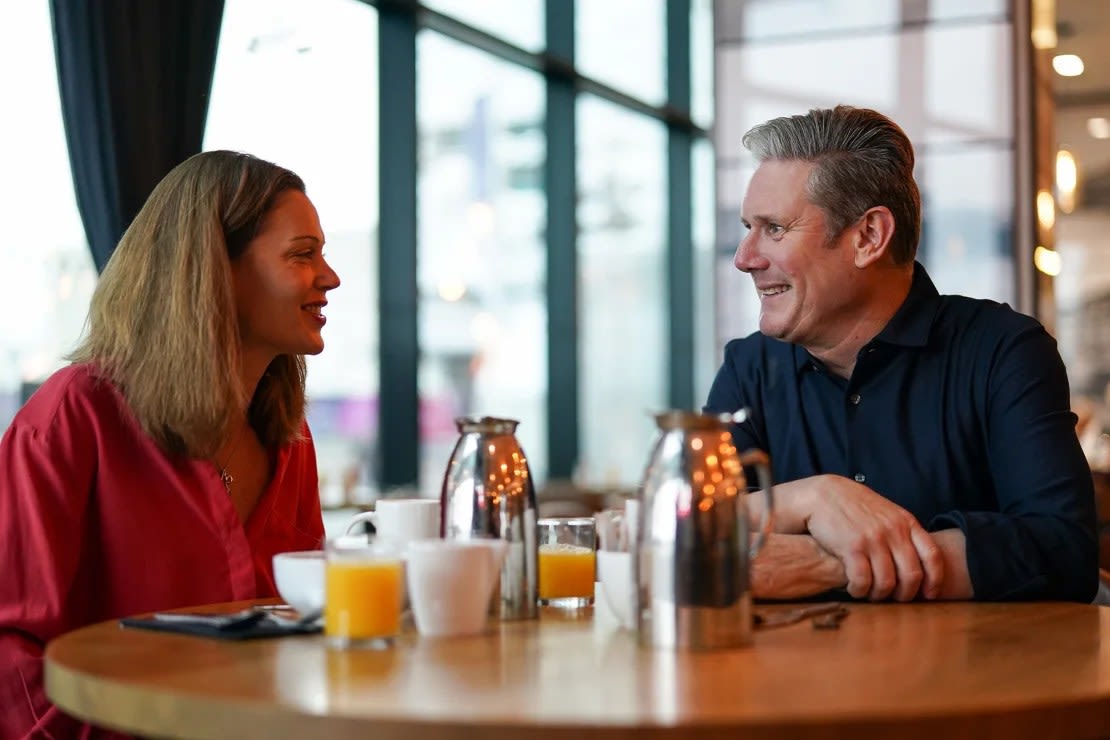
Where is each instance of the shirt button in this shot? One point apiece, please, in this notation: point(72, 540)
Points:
point(860, 478)
point(854, 399)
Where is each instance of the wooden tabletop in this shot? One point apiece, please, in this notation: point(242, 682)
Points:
point(907, 671)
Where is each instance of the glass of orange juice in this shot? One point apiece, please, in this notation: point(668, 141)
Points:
point(567, 548)
point(363, 592)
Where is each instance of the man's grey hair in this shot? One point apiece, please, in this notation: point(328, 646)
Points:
point(862, 159)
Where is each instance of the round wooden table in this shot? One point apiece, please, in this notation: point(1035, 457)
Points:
point(907, 671)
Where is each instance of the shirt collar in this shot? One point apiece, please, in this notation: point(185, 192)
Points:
point(912, 322)
point(909, 327)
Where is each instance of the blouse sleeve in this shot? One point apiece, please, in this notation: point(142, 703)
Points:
point(47, 476)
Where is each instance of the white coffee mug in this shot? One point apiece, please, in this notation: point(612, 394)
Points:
point(450, 583)
point(402, 520)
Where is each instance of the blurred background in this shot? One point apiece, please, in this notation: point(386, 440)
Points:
point(533, 205)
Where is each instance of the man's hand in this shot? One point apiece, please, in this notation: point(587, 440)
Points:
point(884, 549)
point(792, 566)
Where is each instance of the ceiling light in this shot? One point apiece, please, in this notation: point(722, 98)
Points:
point(1067, 177)
point(1047, 261)
point(1067, 65)
point(1046, 210)
point(1098, 128)
point(1044, 24)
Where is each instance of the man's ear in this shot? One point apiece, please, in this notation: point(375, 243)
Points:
point(872, 232)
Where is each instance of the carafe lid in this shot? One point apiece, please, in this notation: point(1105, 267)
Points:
point(681, 419)
point(486, 425)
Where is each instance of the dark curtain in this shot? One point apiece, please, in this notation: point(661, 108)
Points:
point(134, 77)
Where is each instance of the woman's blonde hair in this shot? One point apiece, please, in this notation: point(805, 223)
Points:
point(162, 323)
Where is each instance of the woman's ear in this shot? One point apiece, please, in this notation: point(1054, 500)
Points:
point(873, 232)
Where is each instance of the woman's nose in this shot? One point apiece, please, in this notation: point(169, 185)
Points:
point(329, 278)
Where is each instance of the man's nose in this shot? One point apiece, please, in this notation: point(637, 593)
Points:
point(746, 258)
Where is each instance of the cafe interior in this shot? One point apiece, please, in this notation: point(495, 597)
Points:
point(533, 206)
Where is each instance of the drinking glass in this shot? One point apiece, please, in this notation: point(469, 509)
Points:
point(566, 561)
point(363, 592)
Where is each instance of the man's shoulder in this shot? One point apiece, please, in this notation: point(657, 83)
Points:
point(982, 317)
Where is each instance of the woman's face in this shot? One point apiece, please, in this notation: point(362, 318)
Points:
point(281, 282)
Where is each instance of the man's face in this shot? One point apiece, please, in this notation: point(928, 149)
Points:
point(807, 284)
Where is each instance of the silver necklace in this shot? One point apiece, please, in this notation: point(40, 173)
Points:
point(226, 477)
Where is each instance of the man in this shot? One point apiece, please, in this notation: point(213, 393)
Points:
point(922, 445)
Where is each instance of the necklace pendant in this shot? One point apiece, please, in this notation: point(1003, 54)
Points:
point(226, 479)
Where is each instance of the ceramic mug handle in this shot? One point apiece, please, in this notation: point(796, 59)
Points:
point(366, 516)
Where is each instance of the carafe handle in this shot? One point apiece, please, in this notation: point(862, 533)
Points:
point(758, 459)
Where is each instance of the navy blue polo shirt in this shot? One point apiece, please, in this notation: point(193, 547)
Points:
point(958, 411)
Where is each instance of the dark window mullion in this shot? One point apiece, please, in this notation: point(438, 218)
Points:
point(562, 259)
point(679, 248)
point(398, 419)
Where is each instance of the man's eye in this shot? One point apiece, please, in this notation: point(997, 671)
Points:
point(774, 229)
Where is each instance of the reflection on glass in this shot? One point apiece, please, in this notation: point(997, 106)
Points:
point(762, 19)
point(294, 83)
point(481, 205)
point(519, 22)
point(45, 300)
point(961, 106)
point(1082, 297)
point(622, 332)
point(766, 19)
point(632, 60)
point(967, 239)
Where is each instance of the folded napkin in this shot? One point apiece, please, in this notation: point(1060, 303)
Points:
point(245, 625)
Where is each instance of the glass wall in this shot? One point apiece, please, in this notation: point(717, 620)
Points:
point(519, 22)
point(480, 250)
point(943, 71)
point(49, 276)
point(294, 83)
point(620, 43)
point(621, 257)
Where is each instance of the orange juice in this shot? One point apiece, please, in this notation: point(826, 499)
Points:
point(566, 571)
point(362, 598)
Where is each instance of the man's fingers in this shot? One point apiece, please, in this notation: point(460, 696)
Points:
point(858, 570)
point(911, 574)
point(932, 562)
point(883, 574)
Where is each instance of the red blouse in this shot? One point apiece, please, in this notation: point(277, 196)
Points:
point(96, 523)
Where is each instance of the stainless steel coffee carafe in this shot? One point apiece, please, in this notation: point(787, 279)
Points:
point(488, 492)
point(692, 546)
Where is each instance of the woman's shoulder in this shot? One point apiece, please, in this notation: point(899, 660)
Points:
point(74, 392)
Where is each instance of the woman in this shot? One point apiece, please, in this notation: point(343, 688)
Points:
point(171, 460)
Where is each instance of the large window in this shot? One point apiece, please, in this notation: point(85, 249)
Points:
point(623, 352)
point(480, 254)
point(294, 83)
point(50, 275)
point(620, 42)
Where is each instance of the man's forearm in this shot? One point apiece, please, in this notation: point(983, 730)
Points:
point(792, 506)
point(957, 582)
point(792, 566)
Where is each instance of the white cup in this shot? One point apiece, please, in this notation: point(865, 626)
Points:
point(299, 577)
point(402, 520)
point(614, 570)
point(450, 583)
